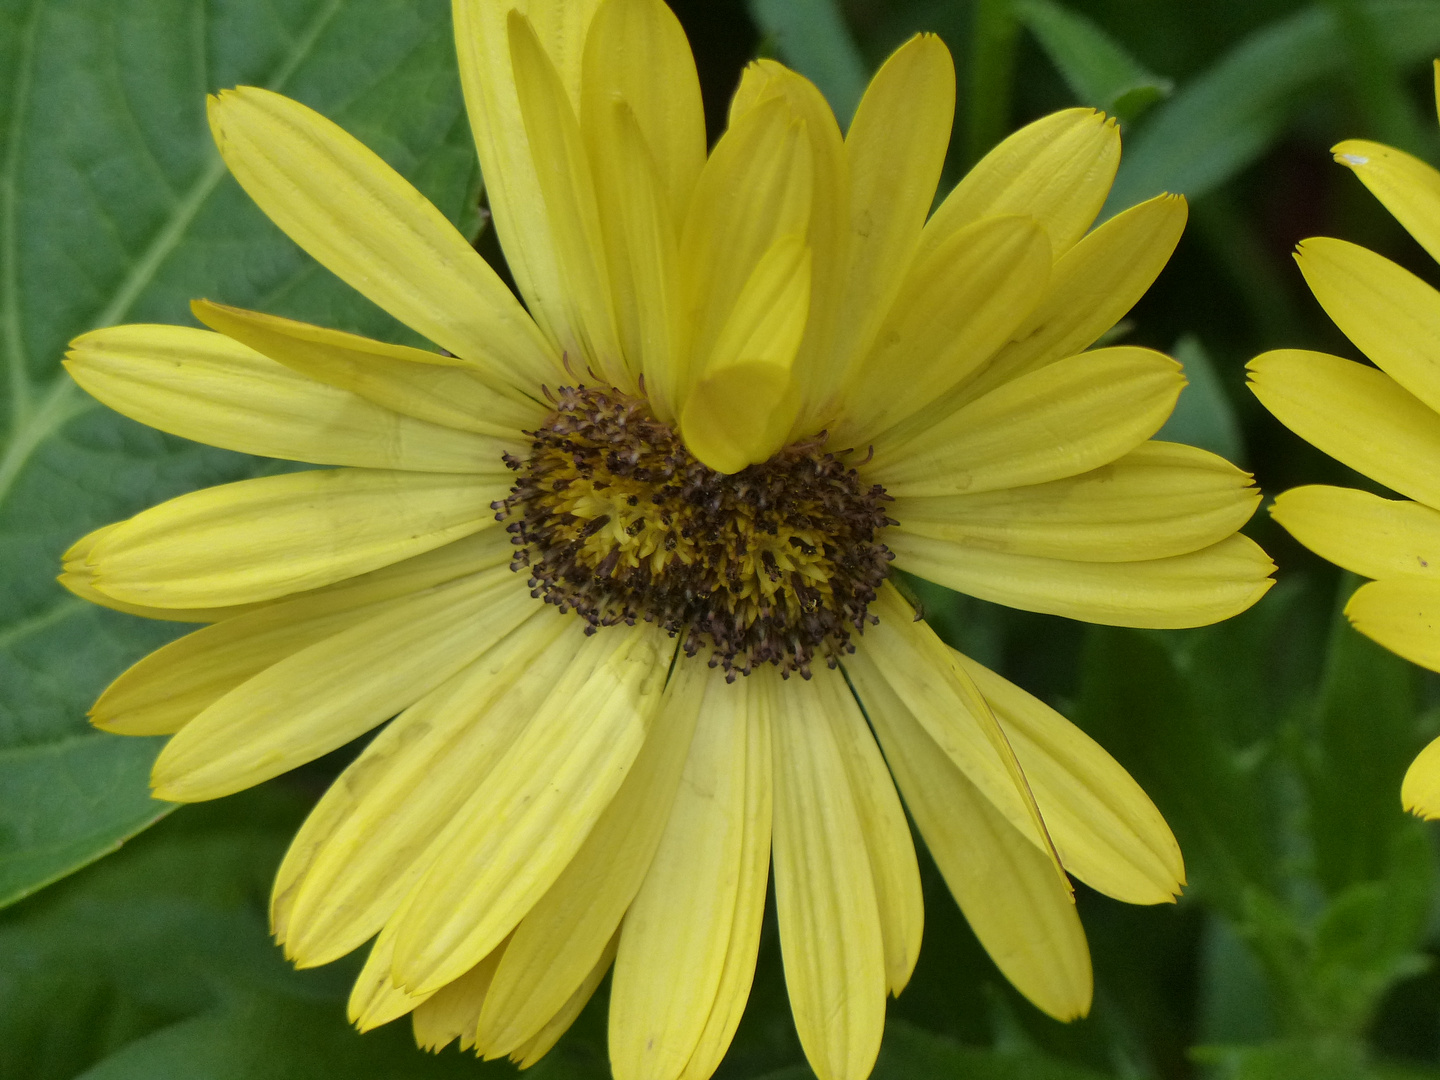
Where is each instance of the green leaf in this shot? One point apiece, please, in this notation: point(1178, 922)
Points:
point(1204, 416)
point(114, 207)
point(911, 1053)
point(1096, 67)
point(811, 37)
point(1222, 121)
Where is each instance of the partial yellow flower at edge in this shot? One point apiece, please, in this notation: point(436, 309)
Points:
point(615, 574)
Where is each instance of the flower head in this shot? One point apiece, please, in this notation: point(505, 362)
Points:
point(1379, 420)
point(617, 561)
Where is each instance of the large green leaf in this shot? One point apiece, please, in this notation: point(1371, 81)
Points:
point(115, 208)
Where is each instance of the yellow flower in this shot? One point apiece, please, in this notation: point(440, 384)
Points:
point(1380, 421)
point(579, 555)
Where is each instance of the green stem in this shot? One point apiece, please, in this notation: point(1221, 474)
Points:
point(993, 36)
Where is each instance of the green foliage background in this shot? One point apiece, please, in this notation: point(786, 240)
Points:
point(1274, 744)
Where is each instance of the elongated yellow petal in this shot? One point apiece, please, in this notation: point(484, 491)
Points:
point(1390, 314)
point(754, 873)
point(1058, 170)
point(1406, 186)
point(895, 149)
point(452, 1011)
point(829, 918)
point(1420, 790)
point(507, 159)
point(742, 407)
point(887, 833)
point(203, 386)
point(163, 691)
point(369, 839)
point(337, 689)
point(1161, 499)
point(676, 934)
point(375, 999)
point(549, 1035)
point(364, 222)
point(558, 943)
point(1367, 535)
point(540, 803)
point(636, 52)
point(755, 189)
point(961, 301)
point(562, 169)
point(1195, 589)
point(412, 382)
point(1106, 829)
point(1402, 614)
point(1016, 905)
point(264, 538)
point(1356, 414)
point(1069, 418)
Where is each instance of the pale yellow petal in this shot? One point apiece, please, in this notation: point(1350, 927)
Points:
point(829, 919)
point(887, 833)
point(1403, 614)
point(1195, 589)
point(452, 1011)
point(961, 301)
point(1390, 314)
point(532, 1051)
point(1364, 533)
point(539, 804)
point(375, 999)
point(1057, 170)
point(370, 837)
point(337, 689)
point(740, 410)
point(507, 161)
point(1106, 829)
point(564, 935)
point(895, 149)
point(204, 386)
point(1406, 186)
point(1066, 419)
point(265, 538)
point(1420, 790)
point(1160, 499)
point(562, 169)
point(364, 222)
point(442, 389)
point(1356, 414)
point(1009, 893)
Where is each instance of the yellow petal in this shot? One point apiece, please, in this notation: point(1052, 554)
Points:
point(1420, 790)
point(1356, 414)
point(337, 689)
point(1066, 419)
point(1364, 533)
point(895, 149)
point(428, 386)
point(369, 839)
point(507, 160)
point(564, 935)
point(887, 833)
point(1196, 589)
point(264, 538)
point(364, 222)
point(562, 169)
point(1403, 614)
point(961, 300)
point(1106, 829)
point(540, 803)
point(1057, 170)
point(205, 387)
point(1390, 314)
point(1406, 186)
point(1016, 905)
point(162, 692)
point(549, 1035)
point(742, 407)
point(452, 1011)
point(829, 919)
point(676, 934)
point(1160, 499)
point(375, 999)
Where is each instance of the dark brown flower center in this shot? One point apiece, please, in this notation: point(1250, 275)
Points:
point(616, 521)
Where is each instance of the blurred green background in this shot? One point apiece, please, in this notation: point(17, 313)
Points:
point(1305, 945)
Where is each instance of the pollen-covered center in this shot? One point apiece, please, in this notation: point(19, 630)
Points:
point(615, 520)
